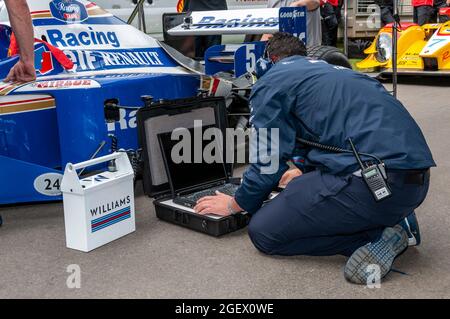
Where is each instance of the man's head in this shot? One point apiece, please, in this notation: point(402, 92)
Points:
point(283, 45)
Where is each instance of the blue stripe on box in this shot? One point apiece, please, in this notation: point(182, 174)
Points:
point(110, 219)
point(95, 221)
point(111, 223)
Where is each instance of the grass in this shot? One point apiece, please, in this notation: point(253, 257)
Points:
point(353, 63)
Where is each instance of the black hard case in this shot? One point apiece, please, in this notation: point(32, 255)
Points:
point(164, 116)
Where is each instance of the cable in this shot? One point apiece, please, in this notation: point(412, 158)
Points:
point(335, 149)
point(355, 152)
point(114, 143)
point(99, 148)
point(114, 146)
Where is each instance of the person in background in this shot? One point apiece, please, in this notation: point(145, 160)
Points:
point(19, 16)
point(442, 4)
point(424, 12)
point(330, 11)
point(386, 11)
point(202, 43)
point(313, 23)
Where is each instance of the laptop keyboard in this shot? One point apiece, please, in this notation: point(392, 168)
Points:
point(191, 199)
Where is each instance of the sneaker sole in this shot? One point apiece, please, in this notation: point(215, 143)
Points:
point(382, 253)
point(416, 240)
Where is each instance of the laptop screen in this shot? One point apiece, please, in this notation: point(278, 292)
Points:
point(192, 170)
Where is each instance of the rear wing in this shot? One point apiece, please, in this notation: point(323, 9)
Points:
point(237, 59)
point(248, 21)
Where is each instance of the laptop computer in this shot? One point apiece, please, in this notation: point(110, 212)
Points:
point(191, 180)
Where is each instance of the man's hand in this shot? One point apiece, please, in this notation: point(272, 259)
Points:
point(266, 37)
point(217, 205)
point(289, 176)
point(310, 4)
point(19, 16)
point(300, 3)
point(448, 2)
point(22, 72)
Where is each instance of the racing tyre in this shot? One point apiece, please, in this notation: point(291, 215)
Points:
point(329, 54)
point(1, 221)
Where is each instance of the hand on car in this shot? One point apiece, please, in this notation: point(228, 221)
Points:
point(289, 176)
point(310, 4)
point(217, 205)
point(266, 37)
point(297, 4)
point(22, 72)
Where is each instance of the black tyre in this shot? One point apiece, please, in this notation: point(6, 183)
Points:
point(1, 221)
point(356, 48)
point(331, 55)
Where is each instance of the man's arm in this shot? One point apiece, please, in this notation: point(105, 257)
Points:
point(311, 5)
point(19, 16)
point(272, 107)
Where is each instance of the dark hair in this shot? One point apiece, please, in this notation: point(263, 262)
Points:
point(284, 45)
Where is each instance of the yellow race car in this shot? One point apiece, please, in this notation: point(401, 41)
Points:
point(421, 50)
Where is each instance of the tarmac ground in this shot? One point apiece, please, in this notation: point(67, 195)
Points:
point(161, 260)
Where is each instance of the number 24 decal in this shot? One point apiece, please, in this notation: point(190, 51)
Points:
point(51, 185)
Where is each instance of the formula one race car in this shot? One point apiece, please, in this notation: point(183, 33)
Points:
point(84, 56)
point(422, 50)
point(86, 60)
point(91, 64)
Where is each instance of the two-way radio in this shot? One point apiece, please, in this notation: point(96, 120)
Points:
point(374, 175)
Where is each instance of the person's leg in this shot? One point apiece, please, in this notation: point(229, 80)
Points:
point(273, 242)
point(434, 15)
point(334, 35)
point(214, 40)
point(415, 15)
point(203, 43)
point(314, 215)
point(325, 31)
point(409, 191)
point(376, 256)
point(438, 5)
point(443, 18)
point(411, 225)
point(200, 43)
point(326, 34)
point(329, 24)
point(425, 14)
point(321, 214)
point(386, 14)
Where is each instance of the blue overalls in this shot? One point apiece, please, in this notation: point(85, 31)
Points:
point(329, 210)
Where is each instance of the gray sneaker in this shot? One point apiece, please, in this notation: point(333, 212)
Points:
point(393, 242)
point(411, 226)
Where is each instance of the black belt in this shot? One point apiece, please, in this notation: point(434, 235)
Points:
point(416, 177)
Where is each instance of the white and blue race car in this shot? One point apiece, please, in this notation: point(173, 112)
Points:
point(60, 117)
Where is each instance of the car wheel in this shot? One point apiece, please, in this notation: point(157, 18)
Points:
point(329, 54)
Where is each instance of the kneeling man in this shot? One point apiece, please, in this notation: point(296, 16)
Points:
point(327, 208)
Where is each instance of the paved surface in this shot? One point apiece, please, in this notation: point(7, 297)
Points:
point(164, 261)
